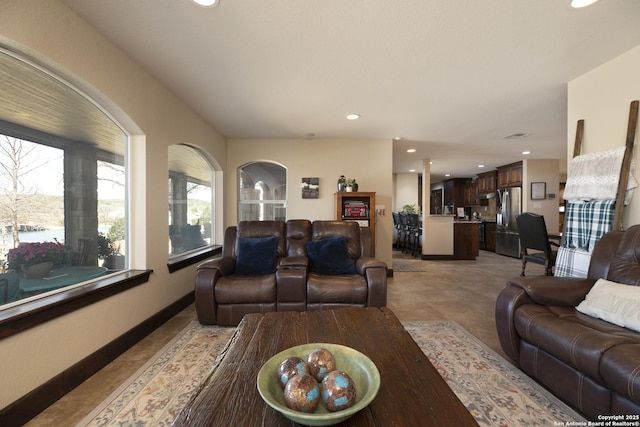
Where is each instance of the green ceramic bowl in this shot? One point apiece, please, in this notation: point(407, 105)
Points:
point(360, 368)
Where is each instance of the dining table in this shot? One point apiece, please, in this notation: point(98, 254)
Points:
point(59, 278)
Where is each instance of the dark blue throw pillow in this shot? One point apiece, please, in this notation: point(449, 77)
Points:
point(256, 255)
point(330, 256)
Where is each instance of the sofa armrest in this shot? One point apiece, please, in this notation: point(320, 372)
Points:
point(225, 265)
point(375, 272)
point(542, 290)
point(558, 291)
point(363, 263)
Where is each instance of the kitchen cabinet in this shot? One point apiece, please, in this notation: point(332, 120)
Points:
point(510, 175)
point(357, 207)
point(486, 182)
point(466, 240)
point(490, 236)
point(454, 194)
point(470, 192)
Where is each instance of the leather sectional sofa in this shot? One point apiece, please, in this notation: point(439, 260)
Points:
point(592, 364)
point(295, 265)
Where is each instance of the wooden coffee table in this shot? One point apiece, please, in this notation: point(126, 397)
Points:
point(411, 391)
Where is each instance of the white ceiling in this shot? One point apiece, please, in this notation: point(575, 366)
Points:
point(452, 77)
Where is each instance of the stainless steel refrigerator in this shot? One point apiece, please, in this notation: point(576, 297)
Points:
point(509, 205)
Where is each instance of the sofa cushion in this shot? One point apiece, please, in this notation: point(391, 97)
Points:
point(613, 302)
point(577, 344)
point(238, 289)
point(256, 255)
point(341, 290)
point(330, 256)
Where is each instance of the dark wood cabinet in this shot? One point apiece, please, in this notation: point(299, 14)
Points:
point(486, 182)
point(454, 192)
point(510, 175)
point(466, 240)
point(357, 207)
point(470, 192)
point(490, 236)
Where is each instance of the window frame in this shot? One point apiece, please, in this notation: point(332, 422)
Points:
point(262, 202)
point(19, 317)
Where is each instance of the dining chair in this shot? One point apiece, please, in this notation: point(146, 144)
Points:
point(535, 245)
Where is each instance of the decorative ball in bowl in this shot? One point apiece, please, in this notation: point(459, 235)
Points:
point(359, 367)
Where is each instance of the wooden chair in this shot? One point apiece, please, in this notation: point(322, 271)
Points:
point(533, 236)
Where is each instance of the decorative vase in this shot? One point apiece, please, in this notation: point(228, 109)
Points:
point(355, 185)
point(37, 271)
point(341, 183)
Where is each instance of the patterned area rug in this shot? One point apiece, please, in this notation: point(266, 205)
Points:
point(156, 393)
point(406, 266)
point(496, 393)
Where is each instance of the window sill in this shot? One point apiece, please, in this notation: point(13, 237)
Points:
point(193, 257)
point(33, 313)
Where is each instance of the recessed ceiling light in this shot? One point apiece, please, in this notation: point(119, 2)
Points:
point(480, 166)
point(353, 116)
point(447, 174)
point(398, 138)
point(526, 152)
point(206, 3)
point(582, 3)
point(412, 170)
point(411, 150)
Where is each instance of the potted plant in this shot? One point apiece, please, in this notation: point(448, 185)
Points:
point(36, 259)
point(349, 184)
point(109, 253)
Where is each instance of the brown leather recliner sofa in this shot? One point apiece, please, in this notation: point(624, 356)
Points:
point(591, 364)
point(312, 266)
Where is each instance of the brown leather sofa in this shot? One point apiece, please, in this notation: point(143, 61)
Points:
point(296, 282)
point(591, 364)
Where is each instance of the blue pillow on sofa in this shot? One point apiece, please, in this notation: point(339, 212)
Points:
point(330, 256)
point(256, 255)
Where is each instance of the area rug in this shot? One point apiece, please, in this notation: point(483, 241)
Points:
point(406, 266)
point(495, 393)
point(156, 393)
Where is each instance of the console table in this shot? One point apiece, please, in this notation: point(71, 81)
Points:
point(411, 390)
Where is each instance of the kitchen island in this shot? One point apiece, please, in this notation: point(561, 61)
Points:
point(447, 238)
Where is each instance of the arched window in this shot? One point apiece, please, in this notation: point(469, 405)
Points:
point(263, 192)
point(190, 199)
point(62, 184)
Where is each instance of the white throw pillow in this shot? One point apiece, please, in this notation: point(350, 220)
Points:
point(613, 302)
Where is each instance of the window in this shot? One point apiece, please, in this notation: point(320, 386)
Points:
point(263, 192)
point(62, 181)
point(190, 200)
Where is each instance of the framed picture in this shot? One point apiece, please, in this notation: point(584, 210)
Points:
point(538, 190)
point(310, 188)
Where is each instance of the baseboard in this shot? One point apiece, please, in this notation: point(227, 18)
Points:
point(437, 257)
point(36, 401)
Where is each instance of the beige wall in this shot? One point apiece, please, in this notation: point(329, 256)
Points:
point(601, 97)
point(50, 32)
point(368, 161)
point(406, 191)
point(539, 170)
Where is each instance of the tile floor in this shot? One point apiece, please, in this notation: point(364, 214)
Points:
point(464, 291)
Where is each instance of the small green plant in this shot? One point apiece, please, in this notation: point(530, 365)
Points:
point(410, 209)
